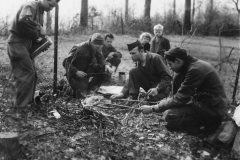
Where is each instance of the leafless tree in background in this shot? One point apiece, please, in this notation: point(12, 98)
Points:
point(193, 11)
point(187, 16)
point(126, 11)
point(209, 16)
point(147, 10)
point(49, 22)
point(84, 14)
point(174, 9)
point(238, 10)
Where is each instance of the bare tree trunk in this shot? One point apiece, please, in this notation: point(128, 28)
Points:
point(84, 14)
point(193, 11)
point(122, 24)
point(187, 16)
point(126, 11)
point(49, 22)
point(147, 10)
point(174, 9)
point(238, 10)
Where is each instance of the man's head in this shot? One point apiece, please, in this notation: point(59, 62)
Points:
point(97, 41)
point(136, 50)
point(108, 39)
point(158, 30)
point(48, 5)
point(175, 58)
point(145, 37)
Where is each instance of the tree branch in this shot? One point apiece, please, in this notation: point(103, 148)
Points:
point(236, 4)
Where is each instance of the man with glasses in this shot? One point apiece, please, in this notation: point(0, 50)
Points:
point(85, 59)
point(151, 74)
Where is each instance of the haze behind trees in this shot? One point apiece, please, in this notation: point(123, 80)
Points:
point(206, 15)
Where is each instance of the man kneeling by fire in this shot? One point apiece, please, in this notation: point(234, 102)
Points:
point(198, 101)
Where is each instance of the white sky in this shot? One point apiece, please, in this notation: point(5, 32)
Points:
point(69, 8)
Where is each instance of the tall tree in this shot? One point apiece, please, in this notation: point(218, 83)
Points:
point(49, 22)
point(84, 13)
point(147, 10)
point(174, 9)
point(193, 11)
point(209, 17)
point(187, 16)
point(126, 11)
point(238, 10)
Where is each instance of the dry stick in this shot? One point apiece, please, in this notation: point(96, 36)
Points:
point(225, 59)
point(128, 100)
point(191, 37)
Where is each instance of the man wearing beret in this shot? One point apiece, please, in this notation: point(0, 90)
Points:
point(81, 63)
point(198, 101)
point(151, 73)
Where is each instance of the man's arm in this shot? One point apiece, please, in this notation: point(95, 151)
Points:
point(67, 63)
point(28, 27)
point(98, 62)
point(164, 72)
point(192, 80)
point(116, 54)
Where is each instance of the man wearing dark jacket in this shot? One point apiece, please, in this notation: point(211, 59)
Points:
point(112, 56)
point(198, 98)
point(151, 74)
point(26, 29)
point(159, 44)
point(85, 59)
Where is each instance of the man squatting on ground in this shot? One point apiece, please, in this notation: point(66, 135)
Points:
point(85, 58)
point(198, 99)
point(151, 73)
point(112, 56)
point(25, 29)
point(159, 44)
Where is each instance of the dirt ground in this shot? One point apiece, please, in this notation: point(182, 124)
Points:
point(105, 132)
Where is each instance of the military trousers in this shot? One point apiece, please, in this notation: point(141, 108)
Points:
point(24, 73)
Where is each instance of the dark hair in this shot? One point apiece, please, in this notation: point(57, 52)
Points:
point(170, 58)
point(109, 35)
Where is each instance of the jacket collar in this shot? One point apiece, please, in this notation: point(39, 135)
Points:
point(187, 62)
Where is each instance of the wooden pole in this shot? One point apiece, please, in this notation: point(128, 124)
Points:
point(55, 51)
point(236, 82)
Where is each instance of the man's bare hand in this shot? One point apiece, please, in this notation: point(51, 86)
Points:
point(118, 96)
point(152, 92)
point(146, 109)
point(108, 69)
point(81, 74)
point(110, 56)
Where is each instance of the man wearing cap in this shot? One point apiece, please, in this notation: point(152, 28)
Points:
point(80, 64)
point(198, 99)
point(151, 74)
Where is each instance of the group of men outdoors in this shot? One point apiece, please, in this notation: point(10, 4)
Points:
point(179, 95)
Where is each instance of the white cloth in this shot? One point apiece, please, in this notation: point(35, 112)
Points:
point(236, 116)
